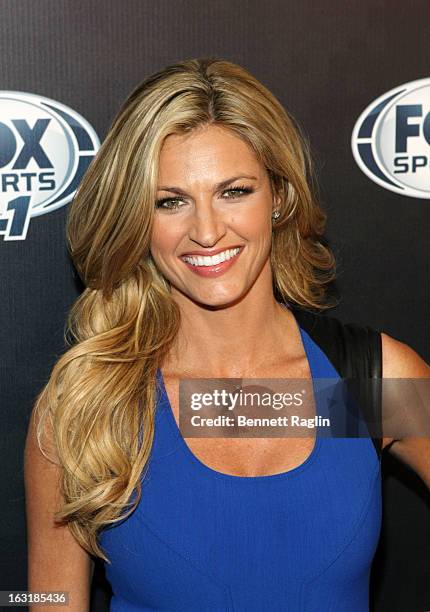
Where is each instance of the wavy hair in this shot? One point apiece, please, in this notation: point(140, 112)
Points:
point(100, 400)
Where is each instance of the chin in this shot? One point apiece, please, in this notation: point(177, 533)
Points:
point(213, 300)
point(221, 301)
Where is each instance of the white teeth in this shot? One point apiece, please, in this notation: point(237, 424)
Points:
point(211, 261)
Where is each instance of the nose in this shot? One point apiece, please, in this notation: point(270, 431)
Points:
point(207, 225)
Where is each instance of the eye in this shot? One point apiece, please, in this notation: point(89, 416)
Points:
point(238, 191)
point(168, 203)
point(173, 204)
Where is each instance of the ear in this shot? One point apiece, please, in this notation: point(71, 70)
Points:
point(276, 204)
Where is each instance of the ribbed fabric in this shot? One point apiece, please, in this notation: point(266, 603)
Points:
point(201, 540)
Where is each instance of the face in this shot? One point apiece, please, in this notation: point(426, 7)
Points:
point(212, 225)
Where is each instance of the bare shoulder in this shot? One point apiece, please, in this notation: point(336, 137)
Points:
point(399, 360)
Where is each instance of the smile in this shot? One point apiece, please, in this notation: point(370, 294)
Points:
point(211, 261)
point(214, 265)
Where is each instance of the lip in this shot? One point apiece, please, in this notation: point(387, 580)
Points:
point(217, 269)
point(209, 253)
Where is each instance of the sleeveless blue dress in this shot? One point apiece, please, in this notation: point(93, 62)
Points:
point(202, 540)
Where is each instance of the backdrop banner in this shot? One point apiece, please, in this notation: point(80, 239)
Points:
point(356, 77)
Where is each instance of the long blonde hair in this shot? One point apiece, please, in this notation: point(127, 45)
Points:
point(100, 400)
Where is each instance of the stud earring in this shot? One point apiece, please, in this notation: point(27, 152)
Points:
point(275, 215)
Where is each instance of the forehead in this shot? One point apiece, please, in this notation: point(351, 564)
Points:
point(209, 152)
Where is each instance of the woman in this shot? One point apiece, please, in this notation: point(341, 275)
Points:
point(201, 162)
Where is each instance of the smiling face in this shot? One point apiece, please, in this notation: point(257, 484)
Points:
point(214, 198)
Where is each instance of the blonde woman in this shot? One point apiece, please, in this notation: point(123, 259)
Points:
point(198, 238)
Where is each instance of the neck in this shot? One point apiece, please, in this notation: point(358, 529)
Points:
point(228, 341)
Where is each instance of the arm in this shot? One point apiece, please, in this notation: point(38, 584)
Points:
point(401, 361)
point(56, 562)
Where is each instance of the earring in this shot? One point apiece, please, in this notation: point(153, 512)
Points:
point(275, 215)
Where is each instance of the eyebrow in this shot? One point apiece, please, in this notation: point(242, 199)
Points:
point(218, 186)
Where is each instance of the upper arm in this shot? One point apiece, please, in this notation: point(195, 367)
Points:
point(400, 361)
point(56, 562)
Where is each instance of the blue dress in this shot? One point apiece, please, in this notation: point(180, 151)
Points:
point(201, 540)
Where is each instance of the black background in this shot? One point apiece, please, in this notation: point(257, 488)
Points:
point(325, 61)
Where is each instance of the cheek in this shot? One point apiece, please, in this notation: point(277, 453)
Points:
point(254, 224)
point(163, 239)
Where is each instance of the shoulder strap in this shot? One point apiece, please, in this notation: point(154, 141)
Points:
point(356, 353)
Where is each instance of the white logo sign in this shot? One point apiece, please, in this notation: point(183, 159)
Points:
point(45, 148)
point(391, 140)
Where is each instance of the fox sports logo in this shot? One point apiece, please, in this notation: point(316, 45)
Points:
point(391, 140)
point(45, 148)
